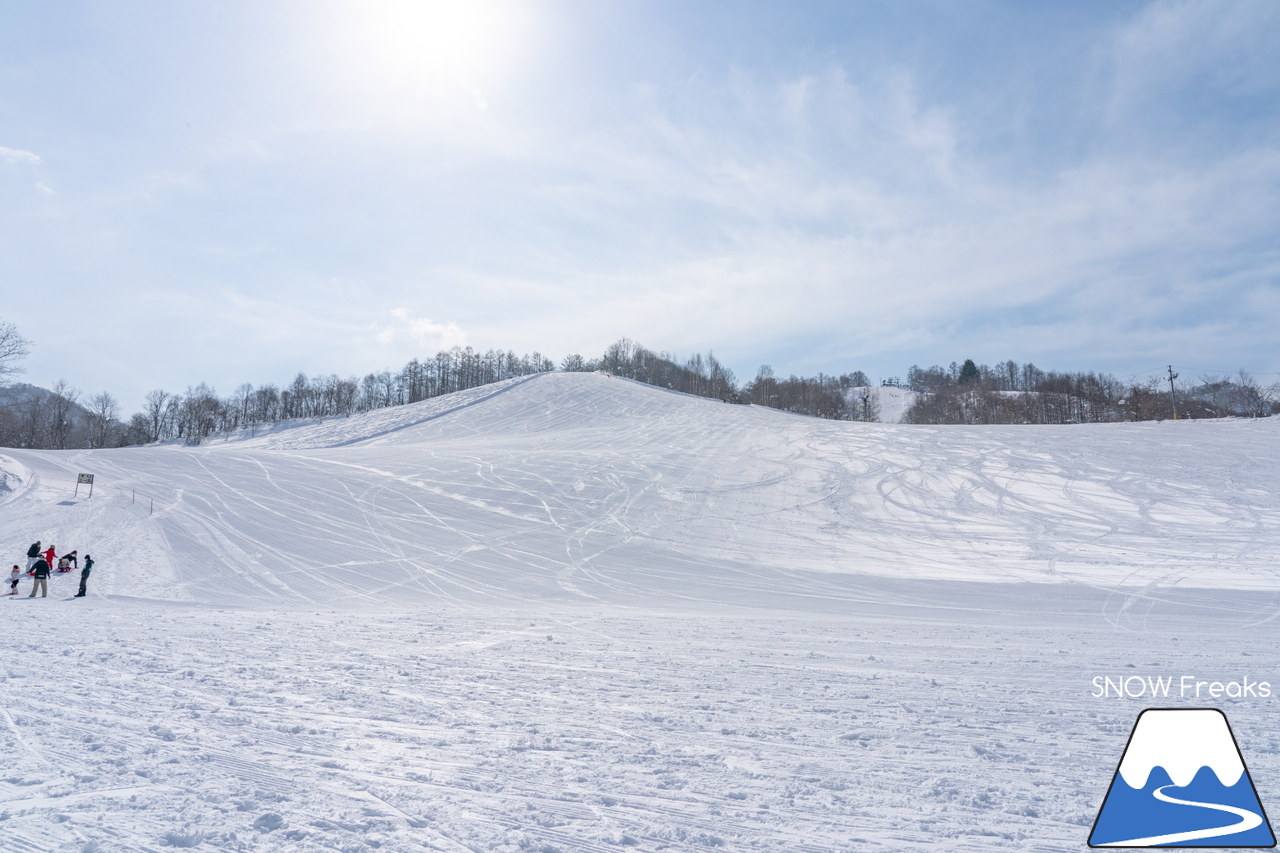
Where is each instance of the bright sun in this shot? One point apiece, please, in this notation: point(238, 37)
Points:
point(426, 45)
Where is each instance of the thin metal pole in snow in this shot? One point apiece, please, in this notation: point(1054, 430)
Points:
point(77, 491)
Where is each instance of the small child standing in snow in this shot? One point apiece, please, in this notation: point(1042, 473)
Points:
point(14, 577)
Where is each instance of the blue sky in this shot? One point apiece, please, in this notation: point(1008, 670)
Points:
point(231, 192)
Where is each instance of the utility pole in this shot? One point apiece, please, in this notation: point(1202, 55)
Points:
point(1172, 395)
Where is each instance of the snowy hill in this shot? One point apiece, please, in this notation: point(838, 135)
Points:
point(580, 487)
point(574, 613)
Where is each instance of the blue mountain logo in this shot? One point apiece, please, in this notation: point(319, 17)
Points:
point(1182, 783)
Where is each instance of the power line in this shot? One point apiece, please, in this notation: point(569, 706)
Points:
point(1198, 370)
point(1152, 370)
point(1209, 370)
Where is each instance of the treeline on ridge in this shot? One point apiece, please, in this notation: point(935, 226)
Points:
point(58, 418)
point(1010, 393)
point(968, 393)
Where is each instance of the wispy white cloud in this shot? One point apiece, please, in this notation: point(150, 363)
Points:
point(856, 199)
point(1194, 74)
point(429, 335)
point(18, 155)
point(1174, 42)
point(879, 199)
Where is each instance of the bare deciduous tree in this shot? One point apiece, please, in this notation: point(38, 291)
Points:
point(867, 405)
point(573, 363)
point(1250, 398)
point(244, 403)
point(104, 411)
point(156, 401)
point(61, 412)
point(13, 348)
point(200, 412)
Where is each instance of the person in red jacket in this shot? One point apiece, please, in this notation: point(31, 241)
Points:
point(49, 557)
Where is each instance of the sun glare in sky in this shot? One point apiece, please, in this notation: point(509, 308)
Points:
point(427, 52)
point(340, 186)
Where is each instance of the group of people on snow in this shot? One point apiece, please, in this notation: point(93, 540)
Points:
point(40, 564)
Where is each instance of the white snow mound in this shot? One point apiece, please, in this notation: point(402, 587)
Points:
point(589, 488)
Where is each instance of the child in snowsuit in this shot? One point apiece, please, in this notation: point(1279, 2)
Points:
point(14, 577)
point(84, 574)
point(50, 556)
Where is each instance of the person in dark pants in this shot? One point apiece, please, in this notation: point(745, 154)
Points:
point(84, 575)
point(42, 579)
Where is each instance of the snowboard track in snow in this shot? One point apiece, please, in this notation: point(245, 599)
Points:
point(575, 613)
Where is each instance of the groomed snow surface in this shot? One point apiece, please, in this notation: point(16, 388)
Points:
point(574, 613)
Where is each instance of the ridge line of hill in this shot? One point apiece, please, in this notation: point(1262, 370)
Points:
point(505, 387)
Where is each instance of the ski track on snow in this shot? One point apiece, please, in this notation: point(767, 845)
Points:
point(576, 729)
point(574, 613)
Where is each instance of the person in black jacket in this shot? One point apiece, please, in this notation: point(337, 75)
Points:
point(33, 554)
point(84, 575)
point(42, 579)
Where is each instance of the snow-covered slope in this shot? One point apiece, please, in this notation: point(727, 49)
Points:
point(591, 488)
point(891, 402)
point(297, 649)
